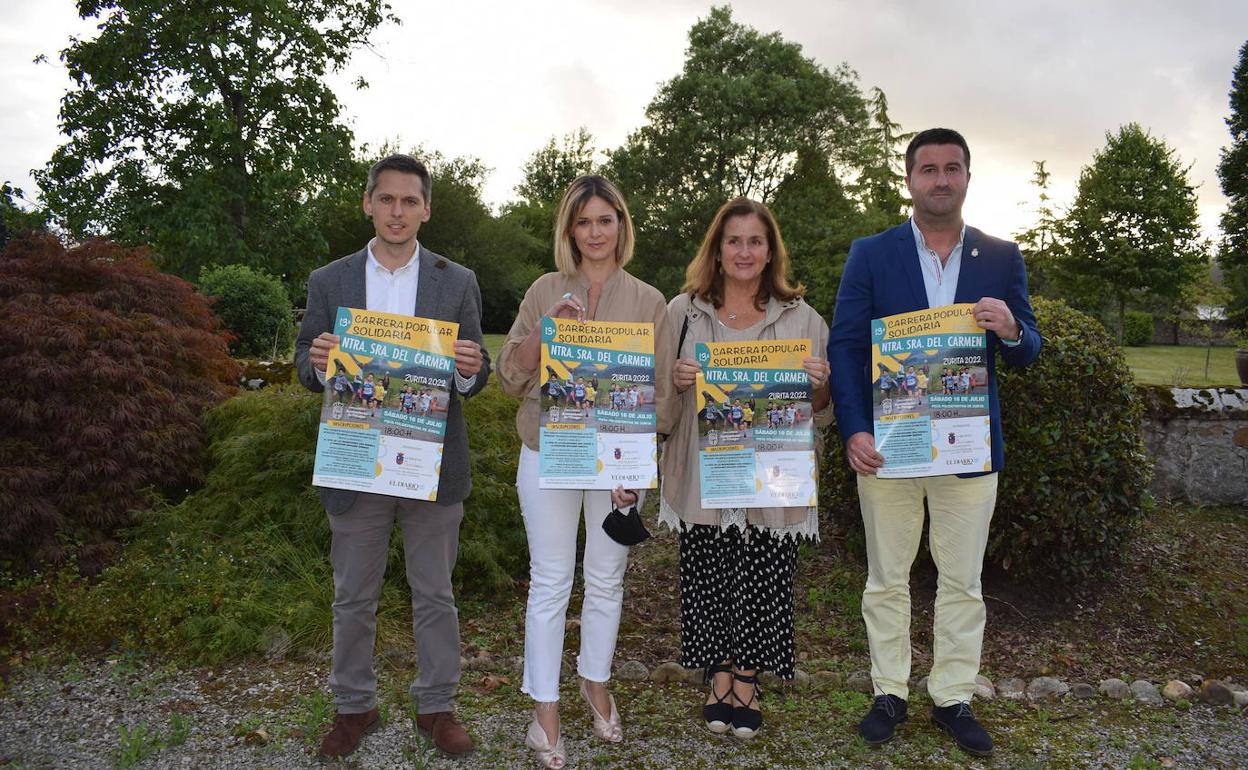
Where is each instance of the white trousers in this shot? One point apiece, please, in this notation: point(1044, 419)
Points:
point(551, 520)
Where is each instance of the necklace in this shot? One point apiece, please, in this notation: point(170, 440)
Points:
point(732, 316)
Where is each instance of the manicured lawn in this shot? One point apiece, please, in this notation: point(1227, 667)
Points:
point(494, 343)
point(1181, 365)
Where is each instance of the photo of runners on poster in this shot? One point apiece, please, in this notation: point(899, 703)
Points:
point(387, 390)
point(597, 398)
point(756, 436)
point(930, 393)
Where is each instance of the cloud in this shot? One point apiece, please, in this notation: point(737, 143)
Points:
point(1023, 81)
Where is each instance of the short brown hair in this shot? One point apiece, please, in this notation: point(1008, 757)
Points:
point(584, 187)
point(936, 136)
point(402, 163)
point(704, 277)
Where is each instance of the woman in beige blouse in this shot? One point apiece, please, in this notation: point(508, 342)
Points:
point(593, 242)
point(736, 565)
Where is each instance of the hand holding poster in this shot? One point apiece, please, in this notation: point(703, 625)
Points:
point(930, 393)
point(755, 425)
point(387, 390)
point(597, 399)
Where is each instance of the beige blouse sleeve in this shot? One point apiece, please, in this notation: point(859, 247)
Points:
point(818, 331)
point(678, 403)
point(664, 359)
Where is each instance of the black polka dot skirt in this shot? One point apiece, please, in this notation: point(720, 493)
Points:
point(736, 598)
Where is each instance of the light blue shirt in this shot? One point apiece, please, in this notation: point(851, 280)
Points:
point(940, 281)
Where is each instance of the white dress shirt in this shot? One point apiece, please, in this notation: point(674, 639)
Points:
point(940, 280)
point(394, 291)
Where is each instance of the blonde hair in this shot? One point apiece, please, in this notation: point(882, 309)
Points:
point(704, 277)
point(584, 187)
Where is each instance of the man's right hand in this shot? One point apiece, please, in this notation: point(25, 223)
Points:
point(319, 351)
point(860, 450)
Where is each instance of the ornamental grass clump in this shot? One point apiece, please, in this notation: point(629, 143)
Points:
point(241, 566)
point(108, 365)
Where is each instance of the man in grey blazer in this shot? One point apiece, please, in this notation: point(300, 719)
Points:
point(395, 274)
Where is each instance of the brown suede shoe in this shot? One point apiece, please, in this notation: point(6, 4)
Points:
point(344, 737)
point(447, 735)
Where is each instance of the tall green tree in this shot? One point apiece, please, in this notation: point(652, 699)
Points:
point(1233, 173)
point(881, 184)
point(818, 221)
point(206, 130)
point(549, 170)
point(1132, 230)
point(1041, 243)
point(735, 121)
point(547, 173)
point(462, 228)
point(17, 214)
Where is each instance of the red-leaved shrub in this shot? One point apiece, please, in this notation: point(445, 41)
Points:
point(106, 365)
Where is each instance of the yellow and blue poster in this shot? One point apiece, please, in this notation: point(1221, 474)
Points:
point(930, 393)
point(756, 436)
point(387, 391)
point(598, 411)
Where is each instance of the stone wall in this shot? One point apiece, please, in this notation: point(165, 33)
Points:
point(1170, 332)
point(1198, 440)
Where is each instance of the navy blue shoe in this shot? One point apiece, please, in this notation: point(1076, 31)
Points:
point(746, 720)
point(880, 723)
point(966, 731)
point(718, 715)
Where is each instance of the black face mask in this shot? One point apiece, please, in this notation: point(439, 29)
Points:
point(625, 528)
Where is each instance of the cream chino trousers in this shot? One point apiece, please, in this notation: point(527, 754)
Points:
point(892, 513)
point(551, 520)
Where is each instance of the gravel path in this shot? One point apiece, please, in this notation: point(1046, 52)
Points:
point(127, 713)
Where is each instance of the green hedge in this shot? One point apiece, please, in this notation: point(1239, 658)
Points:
point(254, 307)
point(246, 557)
point(1075, 485)
point(1137, 328)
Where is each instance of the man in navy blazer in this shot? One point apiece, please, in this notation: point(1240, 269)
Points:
point(931, 260)
point(395, 274)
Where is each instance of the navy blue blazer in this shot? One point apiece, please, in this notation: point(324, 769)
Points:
point(882, 277)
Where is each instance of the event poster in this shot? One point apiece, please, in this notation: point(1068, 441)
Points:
point(598, 412)
point(930, 393)
point(387, 391)
point(756, 436)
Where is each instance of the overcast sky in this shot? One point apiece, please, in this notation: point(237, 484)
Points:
point(1023, 81)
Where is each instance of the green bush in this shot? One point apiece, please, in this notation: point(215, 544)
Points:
point(1137, 328)
point(246, 557)
point(254, 307)
point(1074, 488)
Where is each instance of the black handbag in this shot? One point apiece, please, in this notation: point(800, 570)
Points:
point(625, 528)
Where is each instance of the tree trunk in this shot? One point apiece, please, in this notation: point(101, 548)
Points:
point(1208, 349)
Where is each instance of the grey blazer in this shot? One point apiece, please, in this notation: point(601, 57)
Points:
point(445, 291)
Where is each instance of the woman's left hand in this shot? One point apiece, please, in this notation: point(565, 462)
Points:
point(818, 370)
point(622, 498)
